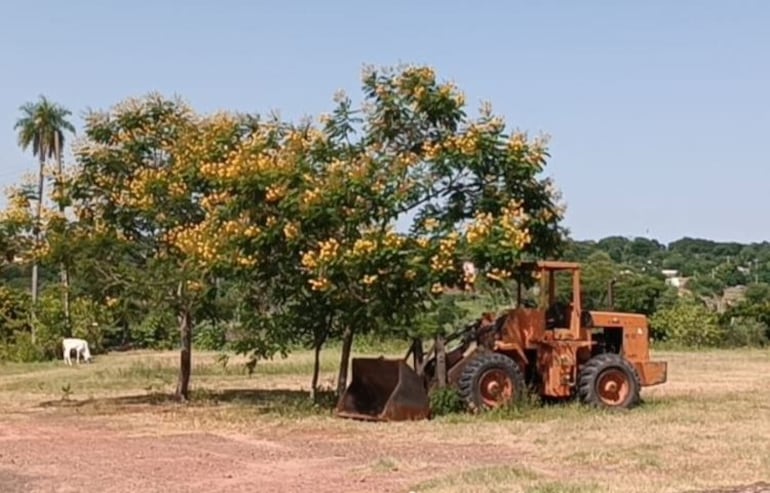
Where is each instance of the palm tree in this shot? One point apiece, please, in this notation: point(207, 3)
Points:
point(41, 128)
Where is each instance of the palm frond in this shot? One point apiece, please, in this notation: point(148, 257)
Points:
point(40, 124)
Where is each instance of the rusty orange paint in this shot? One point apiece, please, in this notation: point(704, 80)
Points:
point(600, 356)
point(636, 335)
point(652, 372)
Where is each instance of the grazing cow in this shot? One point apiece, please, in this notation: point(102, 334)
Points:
point(81, 349)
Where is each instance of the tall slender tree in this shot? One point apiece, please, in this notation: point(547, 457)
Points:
point(42, 128)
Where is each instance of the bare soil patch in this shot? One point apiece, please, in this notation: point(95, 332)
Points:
point(68, 454)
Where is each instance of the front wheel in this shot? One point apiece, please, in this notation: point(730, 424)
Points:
point(491, 380)
point(609, 381)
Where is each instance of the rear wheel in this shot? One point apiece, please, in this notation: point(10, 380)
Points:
point(491, 380)
point(609, 381)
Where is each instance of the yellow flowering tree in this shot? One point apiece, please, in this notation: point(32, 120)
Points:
point(17, 222)
point(27, 241)
point(137, 193)
point(310, 213)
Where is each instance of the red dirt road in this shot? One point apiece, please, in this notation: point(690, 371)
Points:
point(46, 455)
point(41, 453)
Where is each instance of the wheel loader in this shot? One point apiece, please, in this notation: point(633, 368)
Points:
point(551, 347)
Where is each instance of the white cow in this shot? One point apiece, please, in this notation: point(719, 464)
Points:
point(81, 348)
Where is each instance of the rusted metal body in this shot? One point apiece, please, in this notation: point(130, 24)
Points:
point(557, 348)
point(384, 390)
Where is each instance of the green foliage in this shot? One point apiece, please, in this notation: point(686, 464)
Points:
point(443, 317)
point(209, 335)
point(273, 235)
point(22, 349)
point(43, 123)
point(445, 401)
point(14, 312)
point(158, 330)
point(644, 294)
point(755, 305)
point(746, 332)
point(688, 323)
point(50, 324)
point(15, 327)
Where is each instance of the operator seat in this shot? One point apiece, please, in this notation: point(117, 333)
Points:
point(557, 316)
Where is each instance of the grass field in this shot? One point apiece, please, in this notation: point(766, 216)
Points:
point(707, 427)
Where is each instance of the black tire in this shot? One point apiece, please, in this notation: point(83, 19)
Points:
point(504, 374)
point(620, 391)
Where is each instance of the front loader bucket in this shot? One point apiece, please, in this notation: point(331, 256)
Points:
point(384, 390)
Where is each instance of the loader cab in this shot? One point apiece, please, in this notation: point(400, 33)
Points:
point(558, 297)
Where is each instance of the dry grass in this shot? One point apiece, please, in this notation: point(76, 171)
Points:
point(708, 426)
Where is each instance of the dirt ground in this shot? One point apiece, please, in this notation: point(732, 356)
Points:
point(43, 454)
point(55, 454)
point(110, 436)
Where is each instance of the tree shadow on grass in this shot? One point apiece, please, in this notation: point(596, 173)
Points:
point(262, 401)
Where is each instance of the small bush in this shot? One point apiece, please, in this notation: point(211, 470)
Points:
point(158, 330)
point(445, 401)
point(688, 323)
point(21, 349)
point(746, 332)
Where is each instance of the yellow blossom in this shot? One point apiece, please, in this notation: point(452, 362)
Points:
point(430, 224)
point(309, 260)
point(480, 228)
point(194, 286)
point(363, 247)
point(329, 249)
point(320, 284)
point(290, 231)
point(247, 261)
point(498, 274)
point(275, 193)
point(393, 240)
point(310, 196)
point(431, 150)
point(251, 231)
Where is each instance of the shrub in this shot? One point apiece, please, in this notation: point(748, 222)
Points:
point(445, 401)
point(21, 349)
point(14, 313)
point(157, 330)
point(688, 323)
point(746, 332)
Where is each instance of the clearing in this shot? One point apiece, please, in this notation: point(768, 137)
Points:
point(108, 427)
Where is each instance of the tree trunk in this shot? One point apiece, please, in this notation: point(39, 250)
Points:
point(316, 370)
point(38, 216)
point(342, 378)
point(185, 359)
point(64, 271)
point(440, 362)
point(418, 355)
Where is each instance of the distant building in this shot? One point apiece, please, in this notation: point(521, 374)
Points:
point(673, 278)
point(676, 281)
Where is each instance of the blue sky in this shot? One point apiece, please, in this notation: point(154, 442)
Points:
point(658, 111)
